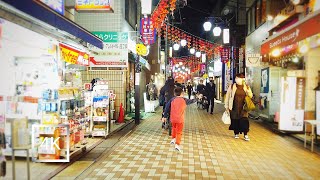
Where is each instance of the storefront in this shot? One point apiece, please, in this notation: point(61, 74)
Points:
point(110, 66)
point(292, 75)
point(42, 103)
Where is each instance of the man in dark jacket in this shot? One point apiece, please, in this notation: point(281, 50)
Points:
point(201, 88)
point(211, 94)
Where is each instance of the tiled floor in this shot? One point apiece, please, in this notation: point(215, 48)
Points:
point(209, 152)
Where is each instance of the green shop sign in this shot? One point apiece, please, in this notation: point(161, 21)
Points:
point(112, 37)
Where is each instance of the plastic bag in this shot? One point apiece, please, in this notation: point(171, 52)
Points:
point(226, 118)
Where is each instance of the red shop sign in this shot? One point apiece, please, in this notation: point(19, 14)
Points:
point(225, 54)
point(295, 34)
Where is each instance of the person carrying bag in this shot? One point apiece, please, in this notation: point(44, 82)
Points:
point(238, 104)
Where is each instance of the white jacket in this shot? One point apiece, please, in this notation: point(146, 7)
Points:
point(228, 103)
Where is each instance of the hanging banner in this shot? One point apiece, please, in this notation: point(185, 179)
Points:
point(291, 109)
point(113, 55)
point(225, 54)
point(73, 56)
point(112, 37)
point(147, 31)
point(97, 5)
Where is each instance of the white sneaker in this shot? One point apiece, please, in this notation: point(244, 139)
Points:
point(236, 136)
point(246, 137)
point(173, 141)
point(177, 147)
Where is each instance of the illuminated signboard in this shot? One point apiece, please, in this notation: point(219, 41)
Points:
point(93, 5)
point(56, 5)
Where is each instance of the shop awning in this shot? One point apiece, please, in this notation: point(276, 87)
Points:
point(45, 14)
point(306, 28)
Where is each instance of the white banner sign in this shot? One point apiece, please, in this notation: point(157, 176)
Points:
point(113, 55)
point(253, 60)
point(291, 118)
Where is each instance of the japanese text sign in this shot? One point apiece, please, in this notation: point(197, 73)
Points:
point(112, 37)
point(225, 55)
point(93, 5)
point(73, 56)
point(147, 31)
point(113, 55)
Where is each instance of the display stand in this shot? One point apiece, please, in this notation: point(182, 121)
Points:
point(100, 110)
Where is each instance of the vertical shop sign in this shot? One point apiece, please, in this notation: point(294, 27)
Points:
point(300, 93)
point(227, 76)
point(291, 118)
point(147, 31)
point(265, 80)
point(225, 54)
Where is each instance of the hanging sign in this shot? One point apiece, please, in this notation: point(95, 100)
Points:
point(73, 56)
point(147, 31)
point(112, 37)
point(225, 55)
point(252, 60)
point(96, 5)
point(292, 104)
point(141, 49)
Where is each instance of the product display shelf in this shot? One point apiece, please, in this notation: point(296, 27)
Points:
point(99, 113)
point(69, 112)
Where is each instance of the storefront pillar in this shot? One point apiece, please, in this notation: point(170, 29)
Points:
point(137, 91)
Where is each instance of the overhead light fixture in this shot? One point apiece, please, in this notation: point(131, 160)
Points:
point(183, 67)
point(304, 48)
point(207, 26)
point(183, 42)
point(296, 2)
point(276, 52)
point(170, 52)
point(176, 47)
point(180, 63)
point(216, 31)
point(192, 51)
point(198, 54)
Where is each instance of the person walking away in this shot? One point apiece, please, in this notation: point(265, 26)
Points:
point(168, 92)
point(211, 94)
point(176, 108)
point(190, 89)
point(234, 102)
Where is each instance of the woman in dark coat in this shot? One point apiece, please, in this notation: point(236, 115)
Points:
point(235, 99)
point(168, 91)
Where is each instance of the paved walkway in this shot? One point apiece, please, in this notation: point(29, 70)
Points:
point(209, 152)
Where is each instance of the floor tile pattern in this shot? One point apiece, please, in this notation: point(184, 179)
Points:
point(209, 152)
